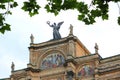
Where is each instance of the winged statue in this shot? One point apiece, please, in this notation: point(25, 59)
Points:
point(56, 27)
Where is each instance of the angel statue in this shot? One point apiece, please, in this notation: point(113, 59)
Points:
point(56, 27)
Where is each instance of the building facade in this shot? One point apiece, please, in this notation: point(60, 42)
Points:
point(66, 59)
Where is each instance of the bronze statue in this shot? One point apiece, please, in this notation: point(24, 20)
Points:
point(56, 27)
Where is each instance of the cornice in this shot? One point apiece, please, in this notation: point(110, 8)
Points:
point(110, 59)
point(32, 70)
point(109, 69)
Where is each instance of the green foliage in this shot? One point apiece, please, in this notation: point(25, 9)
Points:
point(13, 5)
point(82, 7)
point(69, 4)
point(32, 7)
point(119, 20)
point(53, 6)
point(87, 13)
point(5, 27)
point(5, 6)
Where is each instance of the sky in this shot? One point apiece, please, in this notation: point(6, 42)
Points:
point(14, 44)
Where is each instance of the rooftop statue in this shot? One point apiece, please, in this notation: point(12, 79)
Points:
point(56, 27)
point(12, 66)
point(96, 48)
point(71, 30)
point(32, 38)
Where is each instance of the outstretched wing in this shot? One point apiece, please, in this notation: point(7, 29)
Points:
point(59, 24)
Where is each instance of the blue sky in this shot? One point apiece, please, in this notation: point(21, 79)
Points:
point(14, 44)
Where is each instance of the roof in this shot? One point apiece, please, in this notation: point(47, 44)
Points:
point(111, 58)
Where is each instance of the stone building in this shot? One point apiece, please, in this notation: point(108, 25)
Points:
point(66, 59)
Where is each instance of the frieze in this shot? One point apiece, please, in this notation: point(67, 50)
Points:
point(62, 47)
point(59, 76)
point(52, 71)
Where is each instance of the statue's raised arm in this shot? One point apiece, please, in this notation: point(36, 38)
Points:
point(48, 22)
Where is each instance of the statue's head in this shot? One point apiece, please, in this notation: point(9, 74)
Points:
point(55, 24)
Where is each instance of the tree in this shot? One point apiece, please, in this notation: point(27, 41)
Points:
point(5, 6)
point(87, 12)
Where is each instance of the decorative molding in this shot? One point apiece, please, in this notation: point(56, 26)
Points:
point(109, 68)
point(33, 70)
